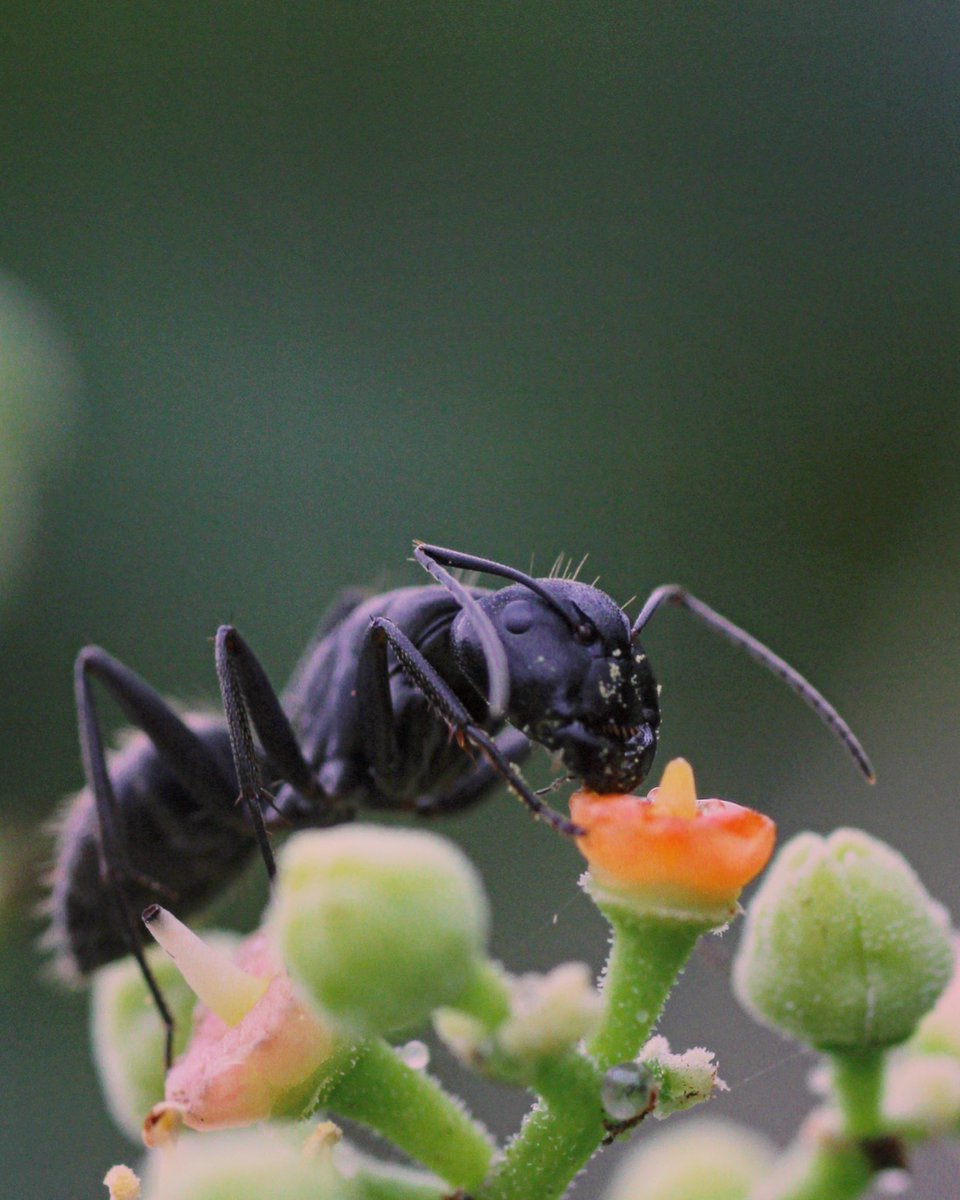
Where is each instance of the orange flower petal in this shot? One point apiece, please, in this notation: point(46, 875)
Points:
point(636, 848)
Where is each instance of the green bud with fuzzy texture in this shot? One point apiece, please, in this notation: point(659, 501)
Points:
point(379, 927)
point(128, 1035)
point(243, 1165)
point(682, 1080)
point(843, 948)
point(939, 1031)
point(698, 1160)
point(544, 1017)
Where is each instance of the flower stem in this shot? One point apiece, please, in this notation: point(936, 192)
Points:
point(858, 1082)
point(386, 1185)
point(837, 1165)
point(411, 1109)
point(836, 1171)
point(557, 1137)
point(486, 997)
point(646, 956)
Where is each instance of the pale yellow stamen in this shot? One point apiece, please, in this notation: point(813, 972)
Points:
point(223, 987)
point(322, 1141)
point(122, 1183)
point(677, 793)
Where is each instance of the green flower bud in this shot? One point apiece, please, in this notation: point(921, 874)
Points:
point(939, 1031)
point(245, 1165)
point(545, 1017)
point(550, 1014)
point(683, 1080)
point(379, 926)
point(697, 1160)
point(843, 948)
point(128, 1035)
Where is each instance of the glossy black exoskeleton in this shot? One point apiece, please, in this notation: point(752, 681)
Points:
point(419, 699)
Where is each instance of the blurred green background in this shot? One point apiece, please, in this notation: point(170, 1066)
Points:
point(285, 286)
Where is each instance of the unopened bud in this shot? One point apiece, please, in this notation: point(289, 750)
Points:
point(379, 927)
point(843, 948)
point(939, 1031)
point(683, 1080)
point(243, 1165)
point(551, 1013)
point(697, 1160)
point(128, 1034)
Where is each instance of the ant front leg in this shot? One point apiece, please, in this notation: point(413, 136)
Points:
point(179, 748)
point(448, 706)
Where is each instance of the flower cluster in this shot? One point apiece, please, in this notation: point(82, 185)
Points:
point(373, 934)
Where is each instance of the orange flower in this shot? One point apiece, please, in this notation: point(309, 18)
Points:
point(670, 852)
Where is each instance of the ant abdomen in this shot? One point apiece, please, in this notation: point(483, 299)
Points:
point(175, 849)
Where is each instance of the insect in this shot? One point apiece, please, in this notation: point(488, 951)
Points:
point(420, 699)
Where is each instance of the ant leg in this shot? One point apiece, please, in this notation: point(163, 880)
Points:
point(512, 744)
point(376, 708)
point(448, 706)
point(180, 749)
point(248, 696)
point(672, 593)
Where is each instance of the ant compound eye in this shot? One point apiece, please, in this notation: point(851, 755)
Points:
point(517, 616)
point(585, 633)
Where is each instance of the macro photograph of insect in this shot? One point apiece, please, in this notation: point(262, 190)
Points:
point(479, 575)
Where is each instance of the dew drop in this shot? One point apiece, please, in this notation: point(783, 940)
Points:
point(415, 1054)
point(627, 1091)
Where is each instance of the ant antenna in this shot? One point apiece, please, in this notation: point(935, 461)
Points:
point(672, 593)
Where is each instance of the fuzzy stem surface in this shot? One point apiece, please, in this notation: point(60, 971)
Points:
point(647, 955)
point(411, 1110)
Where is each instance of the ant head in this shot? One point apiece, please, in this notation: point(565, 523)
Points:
point(577, 684)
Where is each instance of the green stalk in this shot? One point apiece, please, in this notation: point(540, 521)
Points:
point(411, 1110)
point(838, 1167)
point(858, 1077)
point(837, 1171)
point(557, 1137)
point(647, 955)
point(395, 1185)
point(561, 1134)
point(486, 997)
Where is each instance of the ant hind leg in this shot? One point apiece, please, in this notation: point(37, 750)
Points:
point(179, 748)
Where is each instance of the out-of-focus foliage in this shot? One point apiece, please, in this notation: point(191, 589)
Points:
point(37, 382)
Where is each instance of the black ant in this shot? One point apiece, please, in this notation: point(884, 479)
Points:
point(419, 699)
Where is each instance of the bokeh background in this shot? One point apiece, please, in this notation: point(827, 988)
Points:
point(287, 285)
